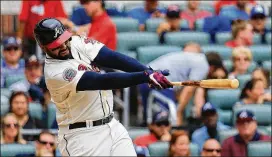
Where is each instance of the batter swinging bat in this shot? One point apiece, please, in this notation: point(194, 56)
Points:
point(212, 83)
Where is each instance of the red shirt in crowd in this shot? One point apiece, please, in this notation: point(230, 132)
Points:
point(192, 17)
point(235, 146)
point(104, 30)
point(32, 11)
point(145, 140)
point(221, 3)
point(233, 44)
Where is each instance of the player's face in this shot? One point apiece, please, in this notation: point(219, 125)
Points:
point(62, 52)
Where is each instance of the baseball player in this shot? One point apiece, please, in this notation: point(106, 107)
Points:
point(83, 95)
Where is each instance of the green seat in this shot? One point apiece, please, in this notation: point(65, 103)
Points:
point(133, 133)
point(267, 65)
point(261, 53)
point(268, 23)
point(228, 66)
point(131, 40)
point(259, 148)
point(268, 38)
point(199, 25)
point(6, 92)
point(147, 54)
point(4, 100)
point(268, 130)
point(181, 38)
point(262, 113)
point(125, 24)
point(161, 149)
point(222, 38)
point(223, 51)
point(12, 79)
point(4, 109)
point(224, 134)
point(51, 114)
point(225, 116)
point(153, 23)
point(36, 110)
point(14, 149)
point(243, 79)
point(184, 24)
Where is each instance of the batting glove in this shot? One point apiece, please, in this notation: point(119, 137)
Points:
point(158, 80)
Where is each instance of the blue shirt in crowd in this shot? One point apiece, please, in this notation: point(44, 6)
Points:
point(7, 71)
point(234, 13)
point(200, 135)
point(141, 14)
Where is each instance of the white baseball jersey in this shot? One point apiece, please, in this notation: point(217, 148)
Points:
point(61, 78)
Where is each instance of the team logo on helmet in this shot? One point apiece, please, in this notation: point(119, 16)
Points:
point(58, 30)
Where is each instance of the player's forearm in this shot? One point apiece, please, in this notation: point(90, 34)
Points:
point(115, 60)
point(114, 80)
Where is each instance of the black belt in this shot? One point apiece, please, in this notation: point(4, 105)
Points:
point(95, 123)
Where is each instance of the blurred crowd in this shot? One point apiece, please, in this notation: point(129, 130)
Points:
point(199, 119)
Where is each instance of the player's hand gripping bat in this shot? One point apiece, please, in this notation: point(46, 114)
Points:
point(212, 83)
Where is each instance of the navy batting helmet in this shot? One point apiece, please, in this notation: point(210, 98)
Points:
point(51, 33)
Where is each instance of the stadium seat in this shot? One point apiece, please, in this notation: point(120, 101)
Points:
point(133, 133)
point(131, 40)
point(261, 53)
point(35, 110)
point(148, 53)
point(14, 149)
point(181, 38)
point(259, 148)
point(261, 111)
point(223, 99)
point(267, 65)
point(268, 23)
point(12, 79)
point(161, 149)
point(268, 130)
point(125, 24)
point(243, 79)
point(153, 23)
point(4, 109)
point(223, 51)
point(184, 24)
point(222, 38)
point(268, 38)
point(199, 25)
point(51, 114)
point(4, 100)
point(5, 92)
point(228, 65)
point(132, 54)
point(224, 134)
point(225, 116)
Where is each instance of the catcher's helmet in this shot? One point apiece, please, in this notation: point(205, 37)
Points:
point(51, 33)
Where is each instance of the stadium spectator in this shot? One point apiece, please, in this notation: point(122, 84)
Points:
point(32, 12)
point(242, 34)
point(216, 71)
point(221, 3)
point(246, 125)
point(141, 151)
point(263, 74)
point(238, 11)
point(19, 105)
point(11, 64)
point(193, 13)
point(211, 148)
point(211, 126)
point(10, 130)
point(159, 130)
point(172, 23)
point(33, 74)
point(150, 10)
point(102, 28)
point(190, 64)
point(179, 144)
point(254, 93)
point(241, 60)
point(45, 146)
point(257, 20)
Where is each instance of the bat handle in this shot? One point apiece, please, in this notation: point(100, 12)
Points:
point(176, 83)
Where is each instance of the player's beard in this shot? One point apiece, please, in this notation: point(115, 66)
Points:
point(59, 56)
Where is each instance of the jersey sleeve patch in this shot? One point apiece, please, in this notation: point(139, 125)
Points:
point(69, 74)
point(90, 40)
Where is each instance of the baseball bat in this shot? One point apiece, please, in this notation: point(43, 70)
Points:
point(211, 83)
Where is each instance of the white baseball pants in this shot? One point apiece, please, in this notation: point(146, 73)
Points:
point(111, 139)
